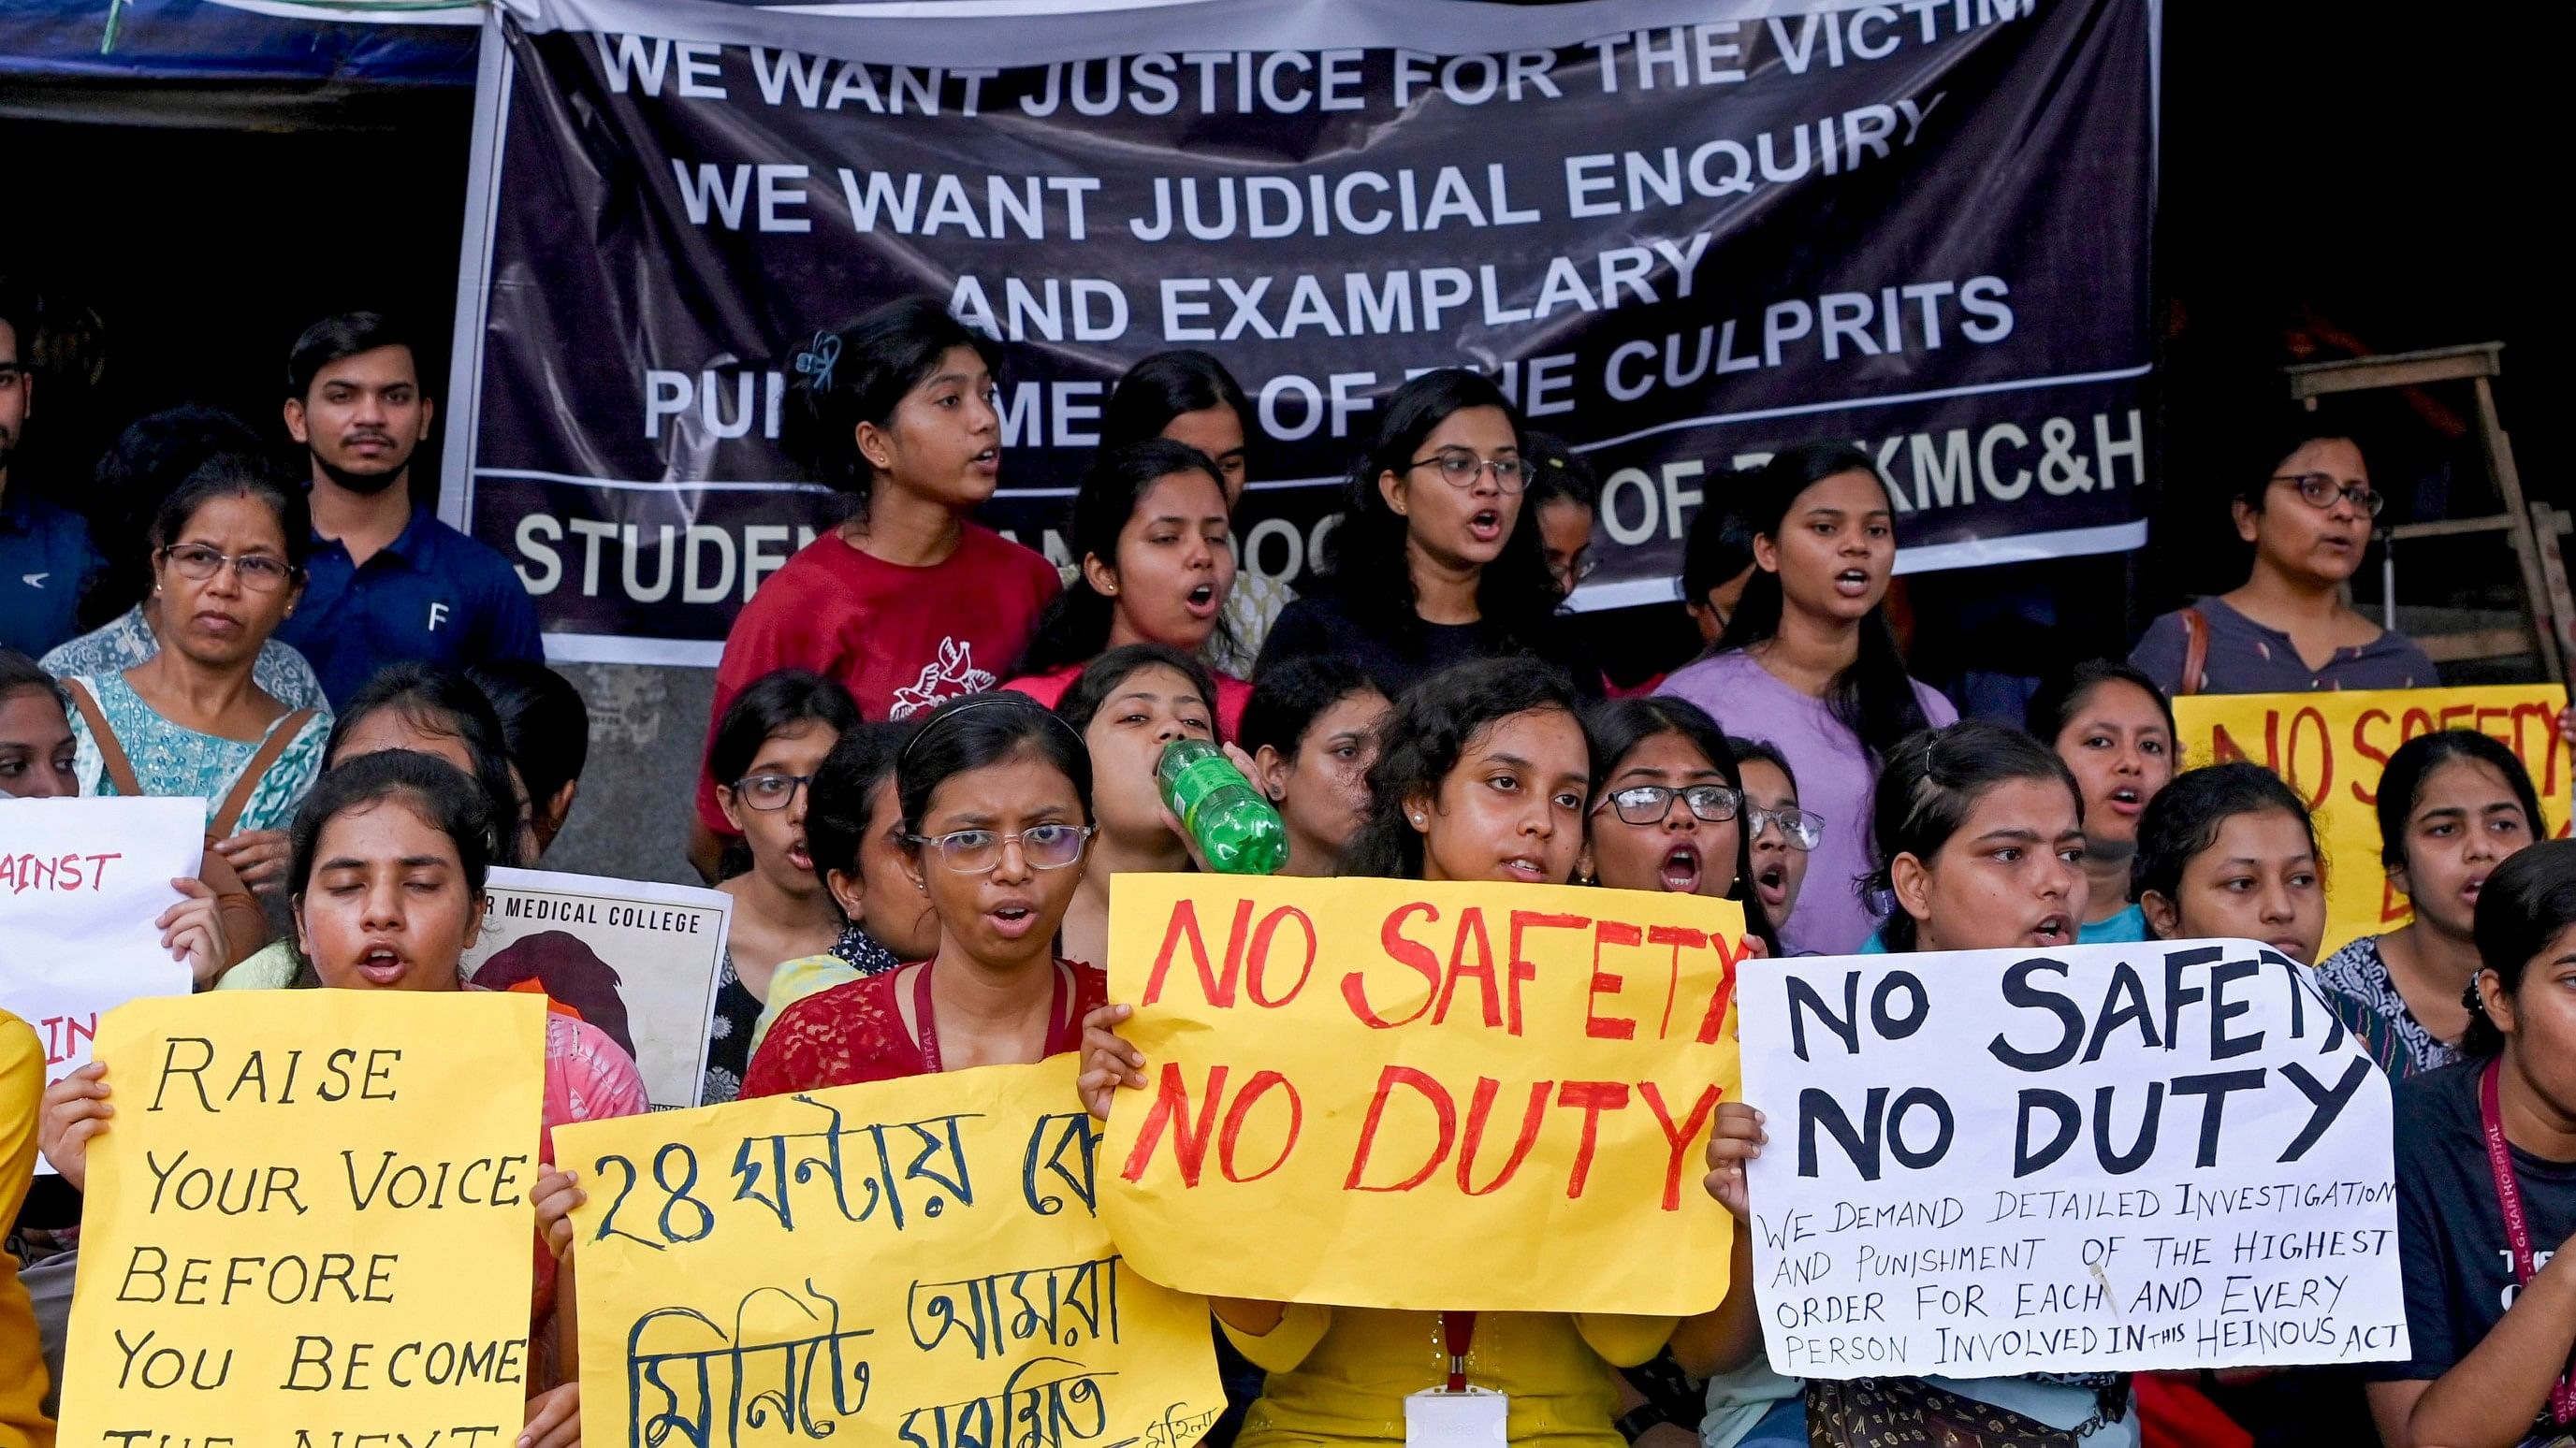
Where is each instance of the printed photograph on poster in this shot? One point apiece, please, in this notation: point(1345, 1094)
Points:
point(2109, 1158)
point(637, 959)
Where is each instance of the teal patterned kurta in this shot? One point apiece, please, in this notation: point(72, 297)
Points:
point(173, 762)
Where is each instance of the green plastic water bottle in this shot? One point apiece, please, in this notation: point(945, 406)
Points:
point(1236, 829)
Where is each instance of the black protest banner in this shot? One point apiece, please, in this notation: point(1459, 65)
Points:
point(1679, 235)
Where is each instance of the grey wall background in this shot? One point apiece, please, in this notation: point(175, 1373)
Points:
point(647, 726)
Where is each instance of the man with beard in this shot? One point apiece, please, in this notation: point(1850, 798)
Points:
point(388, 582)
point(45, 551)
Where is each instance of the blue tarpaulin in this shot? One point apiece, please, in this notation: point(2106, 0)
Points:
point(199, 62)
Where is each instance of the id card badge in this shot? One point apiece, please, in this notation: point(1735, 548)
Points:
point(1475, 1418)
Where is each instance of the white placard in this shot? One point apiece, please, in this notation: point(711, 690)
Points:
point(2101, 1158)
point(81, 883)
point(637, 959)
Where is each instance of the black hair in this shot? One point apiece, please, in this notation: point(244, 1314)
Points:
point(1874, 698)
point(1931, 783)
point(2287, 432)
point(1424, 738)
point(972, 731)
point(1104, 674)
point(2401, 784)
point(238, 475)
point(443, 701)
point(17, 671)
point(335, 338)
point(1288, 699)
point(1615, 727)
point(780, 699)
point(840, 805)
point(1748, 750)
point(451, 803)
point(134, 476)
point(2062, 694)
point(2524, 906)
point(544, 724)
point(1557, 473)
point(861, 373)
point(1164, 386)
point(1076, 625)
point(1363, 562)
point(2185, 817)
point(1719, 546)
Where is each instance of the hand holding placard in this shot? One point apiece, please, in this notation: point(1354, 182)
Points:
point(309, 1222)
point(1342, 1061)
point(2112, 1157)
point(914, 1261)
point(84, 885)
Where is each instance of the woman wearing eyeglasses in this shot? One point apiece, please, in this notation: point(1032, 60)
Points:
point(1809, 662)
point(1777, 831)
point(227, 567)
point(773, 738)
point(1667, 809)
point(2287, 630)
point(996, 797)
point(1436, 559)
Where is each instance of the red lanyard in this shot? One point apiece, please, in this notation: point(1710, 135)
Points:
point(926, 1025)
point(1457, 1338)
point(2517, 1228)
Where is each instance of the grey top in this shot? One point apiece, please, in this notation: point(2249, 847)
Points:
point(2247, 658)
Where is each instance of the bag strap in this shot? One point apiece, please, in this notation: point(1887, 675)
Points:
point(111, 753)
point(247, 781)
point(2195, 651)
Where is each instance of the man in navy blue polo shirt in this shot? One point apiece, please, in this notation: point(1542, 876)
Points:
point(45, 551)
point(388, 583)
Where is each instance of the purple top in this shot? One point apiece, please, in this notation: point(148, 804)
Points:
point(1836, 777)
point(2247, 658)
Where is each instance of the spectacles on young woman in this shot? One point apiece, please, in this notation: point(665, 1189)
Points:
point(1459, 467)
point(976, 852)
point(1652, 804)
point(769, 791)
point(1803, 830)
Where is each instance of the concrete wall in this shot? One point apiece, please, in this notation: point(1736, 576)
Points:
point(647, 726)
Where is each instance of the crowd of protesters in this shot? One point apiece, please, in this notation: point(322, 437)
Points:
point(932, 750)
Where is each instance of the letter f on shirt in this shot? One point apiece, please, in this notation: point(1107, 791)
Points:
point(437, 616)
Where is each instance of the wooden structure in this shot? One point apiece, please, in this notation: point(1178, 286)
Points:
point(2532, 529)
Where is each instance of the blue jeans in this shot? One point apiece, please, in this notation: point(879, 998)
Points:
point(1785, 1426)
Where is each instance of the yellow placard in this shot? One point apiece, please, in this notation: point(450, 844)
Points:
point(308, 1225)
point(1384, 1093)
point(2331, 747)
point(908, 1262)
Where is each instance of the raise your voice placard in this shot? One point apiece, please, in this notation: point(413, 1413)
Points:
point(2105, 1158)
point(1386, 1093)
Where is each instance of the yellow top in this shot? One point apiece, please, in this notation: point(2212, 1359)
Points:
point(23, 1423)
point(1340, 1374)
point(793, 981)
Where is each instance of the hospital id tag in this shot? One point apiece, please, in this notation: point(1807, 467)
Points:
point(1472, 1419)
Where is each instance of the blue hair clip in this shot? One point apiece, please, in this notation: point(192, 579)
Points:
point(817, 358)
